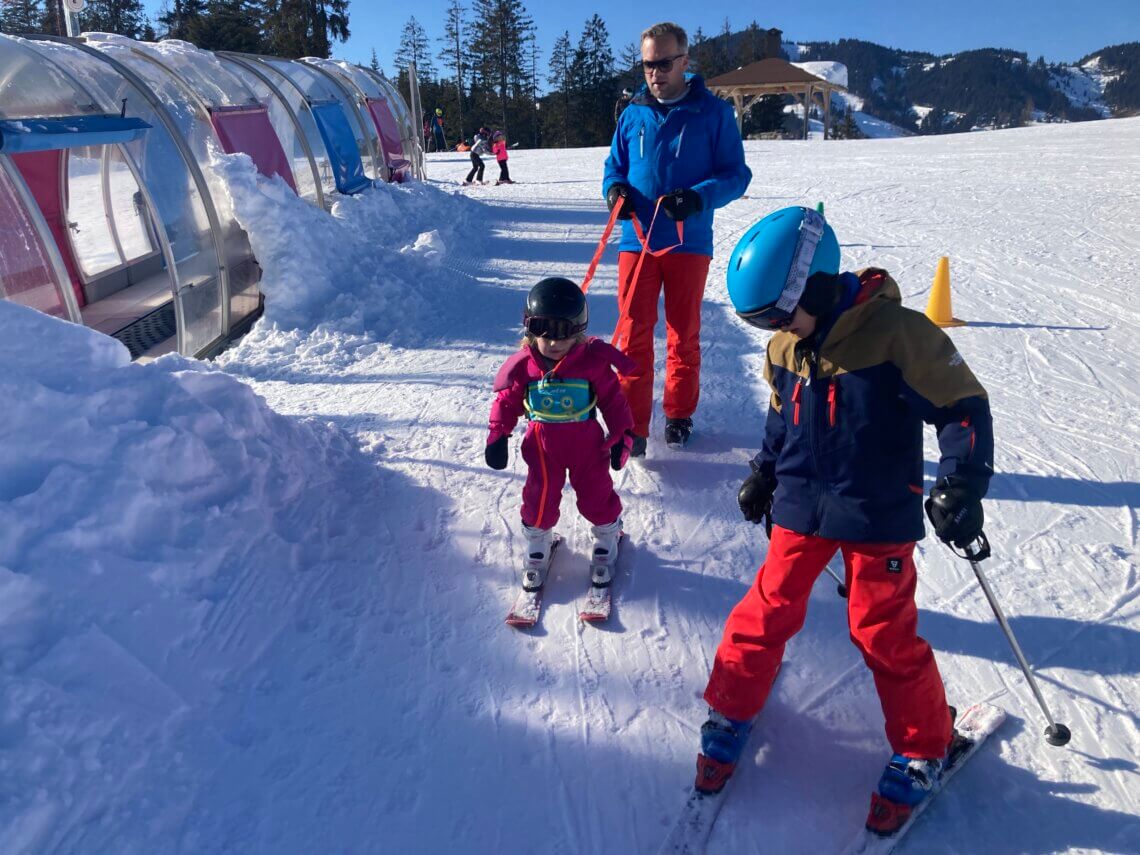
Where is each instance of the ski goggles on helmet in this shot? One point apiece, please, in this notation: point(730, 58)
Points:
point(554, 329)
point(770, 317)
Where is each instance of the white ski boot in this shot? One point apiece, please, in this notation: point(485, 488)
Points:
point(606, 539)
point(539, 550)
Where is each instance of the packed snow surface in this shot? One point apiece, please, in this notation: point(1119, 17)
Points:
point(257, 605)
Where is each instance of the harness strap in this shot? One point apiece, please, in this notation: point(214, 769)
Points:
point(621, 332)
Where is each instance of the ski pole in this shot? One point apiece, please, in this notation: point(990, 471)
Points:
point(1055, 734)
point(841, 586)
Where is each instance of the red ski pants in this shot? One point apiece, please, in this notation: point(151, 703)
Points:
point(683, 277)
point(883, 621)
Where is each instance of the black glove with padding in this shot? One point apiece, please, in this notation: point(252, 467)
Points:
point(955, 511)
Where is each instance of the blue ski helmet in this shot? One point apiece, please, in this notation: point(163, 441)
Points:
point(770, 266)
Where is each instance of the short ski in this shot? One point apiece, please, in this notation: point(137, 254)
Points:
point(599, 600)
point(971, 729)
point(528, 604)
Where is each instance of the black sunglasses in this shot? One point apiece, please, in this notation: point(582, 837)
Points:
point(665, 65)
point(767, 318)
point(554, 329)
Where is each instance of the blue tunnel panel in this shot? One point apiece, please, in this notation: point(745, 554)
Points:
point(340, 142)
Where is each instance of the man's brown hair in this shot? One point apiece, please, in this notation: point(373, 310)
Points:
point(668, 28)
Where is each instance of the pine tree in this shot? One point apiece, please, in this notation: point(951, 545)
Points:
point(453, 54)
point(21, 16)
point(414, 48)
point(724, 58)
point(228, 25)
point(499, 54)
point(177, 21)
point(558, 77)
point(54, 22)
point(374, 63)
point(124, 17)
point(295, 28)
point(593, 82)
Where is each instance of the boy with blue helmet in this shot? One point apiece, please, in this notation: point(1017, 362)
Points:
point(854, 376)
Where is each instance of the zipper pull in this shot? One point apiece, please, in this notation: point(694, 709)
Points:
point(796, 401)
point(832, 391)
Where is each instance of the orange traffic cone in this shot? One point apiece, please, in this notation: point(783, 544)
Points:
point(938, 307)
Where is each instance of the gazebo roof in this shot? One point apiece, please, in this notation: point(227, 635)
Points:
point(768, 72)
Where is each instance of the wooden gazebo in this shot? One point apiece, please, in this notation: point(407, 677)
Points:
point(774, 77)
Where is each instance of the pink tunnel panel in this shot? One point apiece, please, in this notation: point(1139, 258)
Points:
point(43, 172)
point(26, 273)
point(389, 138)
point(248, 130)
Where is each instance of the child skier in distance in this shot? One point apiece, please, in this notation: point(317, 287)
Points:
point(479, 147)
point(854, 375)
point(500, 148)
point(560, 380)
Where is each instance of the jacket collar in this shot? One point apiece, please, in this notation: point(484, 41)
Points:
point(691, 101)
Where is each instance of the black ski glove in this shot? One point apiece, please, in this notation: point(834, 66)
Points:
point(619, 452)
point(682, 203)
point(496, 453)
point(619, 191)
point(955, 511)
point(755, 497)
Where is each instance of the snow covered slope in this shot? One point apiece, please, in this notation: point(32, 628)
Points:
point(257, 606)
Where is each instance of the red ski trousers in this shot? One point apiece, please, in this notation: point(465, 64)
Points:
point(882, 619)
point(683, 277)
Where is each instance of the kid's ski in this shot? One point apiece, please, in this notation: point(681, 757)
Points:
point(694, 824)
point(971, 729)
point(599, 597)
point(527, 609)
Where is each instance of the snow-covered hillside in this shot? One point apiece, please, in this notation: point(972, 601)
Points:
point(256, 605)
point(1084, 85)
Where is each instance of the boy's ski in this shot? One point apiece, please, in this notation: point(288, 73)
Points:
point(971, 729)
point(528, 604)
point(694, 824)
point(599, 597)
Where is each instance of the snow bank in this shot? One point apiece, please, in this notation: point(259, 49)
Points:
point(138, 504)
point(368, 272)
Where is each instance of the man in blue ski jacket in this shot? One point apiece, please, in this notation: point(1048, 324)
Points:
point(678, 141)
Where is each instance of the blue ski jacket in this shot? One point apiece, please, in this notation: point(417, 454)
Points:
point(695, 144)
point(843, 437)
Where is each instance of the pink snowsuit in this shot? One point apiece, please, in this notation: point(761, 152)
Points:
point(550, 449)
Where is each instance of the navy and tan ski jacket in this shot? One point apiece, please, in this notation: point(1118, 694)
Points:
point(691, 144)
point(843, 437)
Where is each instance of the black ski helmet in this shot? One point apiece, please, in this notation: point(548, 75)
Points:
point(557, 300)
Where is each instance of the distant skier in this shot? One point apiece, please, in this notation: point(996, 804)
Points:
point(500, 148)
point(479, 147)
point(437, 130)
point(853, 376)
point(560, 380)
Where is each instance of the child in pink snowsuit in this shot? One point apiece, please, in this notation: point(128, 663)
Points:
point(560, 380)
point(499, 147)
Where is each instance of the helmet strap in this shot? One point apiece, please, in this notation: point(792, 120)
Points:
point(811, 230)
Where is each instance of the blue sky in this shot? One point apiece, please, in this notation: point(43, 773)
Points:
point(1060, 30)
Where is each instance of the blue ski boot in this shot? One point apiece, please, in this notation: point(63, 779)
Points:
point(722, 743)
point(904, 784)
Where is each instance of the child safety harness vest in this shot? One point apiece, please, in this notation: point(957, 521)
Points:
point(554, 400)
